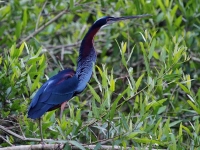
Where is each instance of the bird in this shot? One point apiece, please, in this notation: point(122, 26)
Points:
point(59, 89)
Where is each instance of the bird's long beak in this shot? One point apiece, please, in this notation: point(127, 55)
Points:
point(112, 20)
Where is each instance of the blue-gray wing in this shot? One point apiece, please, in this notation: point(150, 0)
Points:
point(53, 93)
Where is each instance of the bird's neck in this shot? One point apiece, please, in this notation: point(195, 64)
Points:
point(91, 33)
point(86, 59)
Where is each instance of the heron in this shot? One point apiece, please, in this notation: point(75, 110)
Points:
point(59, 89)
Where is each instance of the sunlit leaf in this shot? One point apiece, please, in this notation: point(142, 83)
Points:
point(96, 96)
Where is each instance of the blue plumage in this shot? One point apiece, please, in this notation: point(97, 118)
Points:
point(53, 93)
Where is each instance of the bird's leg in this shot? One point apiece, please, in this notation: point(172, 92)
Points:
point(40, 126)
point(61, 109)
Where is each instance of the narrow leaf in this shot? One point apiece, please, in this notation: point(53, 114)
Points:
point(137, 84)
point(96, 96)
point(152, 48)
point(78, 145)
point(193, 106)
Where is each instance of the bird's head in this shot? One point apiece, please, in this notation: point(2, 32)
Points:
point(108, 20)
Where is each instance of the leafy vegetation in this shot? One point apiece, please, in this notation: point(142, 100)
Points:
point(144, 92)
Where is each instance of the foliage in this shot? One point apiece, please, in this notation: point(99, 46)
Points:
point(145, 86)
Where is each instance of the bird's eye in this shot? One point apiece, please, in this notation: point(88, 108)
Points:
point(109, 19)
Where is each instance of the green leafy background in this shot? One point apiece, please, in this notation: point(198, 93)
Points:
point(144, 92)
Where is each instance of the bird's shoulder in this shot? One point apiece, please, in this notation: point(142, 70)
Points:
point(63, 82)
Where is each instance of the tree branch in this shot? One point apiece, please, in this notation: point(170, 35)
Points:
point(61, 146)
point(35, 147)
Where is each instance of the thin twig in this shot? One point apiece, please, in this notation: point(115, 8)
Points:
point(195, 59)
point(37, 23)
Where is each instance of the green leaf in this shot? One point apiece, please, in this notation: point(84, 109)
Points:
point(21, 49)
point(96, 96)
point(188, 83)
point(124, 122)
point(95, 110)
point(155, 103)
point(122, 51)
point(137, 84)
point(157, 125)
point(29, 82)
point(174, 123)
point(178, 55)
point(96, 79)
point(194, 107)
point(184, 88)
point(130, 55)
point(178, 21)
point(67, 147)
point(173, 138)
point(18, 30)
point(112, 82)
point(25, 18)
point(145, 58)
point(71, 4)
point(171, 77)
point(187, 130)
point(152, 48)
point(161, 109)
point(12, 50)
point(78, 145)
point(46, 125)
point(103, 75)
point(160, 3)
point(8, 91)
point(155, 55)
point(135, 133)
point(173, 11)
point(98, 146)
point(114, 105)
point(5, 11)
point(60, 131)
